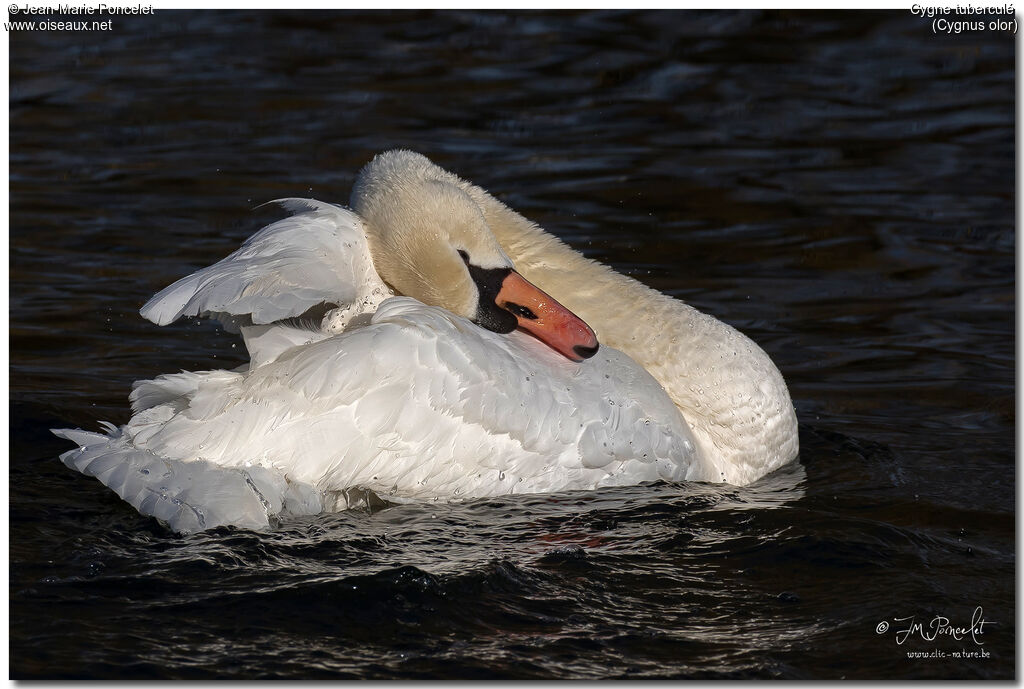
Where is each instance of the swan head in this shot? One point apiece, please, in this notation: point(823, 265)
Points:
point(429, 240)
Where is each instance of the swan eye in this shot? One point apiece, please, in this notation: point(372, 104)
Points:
point(520, 311)
point(465, 256)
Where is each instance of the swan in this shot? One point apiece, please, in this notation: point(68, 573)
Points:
point(430, 343)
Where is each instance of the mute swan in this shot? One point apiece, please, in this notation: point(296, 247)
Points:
point(406, 348)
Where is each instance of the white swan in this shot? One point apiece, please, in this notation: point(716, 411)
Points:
point(474, 383)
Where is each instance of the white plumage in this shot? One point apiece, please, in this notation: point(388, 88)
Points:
point(350, 389)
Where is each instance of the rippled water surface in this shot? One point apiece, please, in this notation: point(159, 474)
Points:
point(838, 186)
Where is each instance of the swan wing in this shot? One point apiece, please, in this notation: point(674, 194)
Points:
point(317, 256)
point(418, 404)
point(422, 403)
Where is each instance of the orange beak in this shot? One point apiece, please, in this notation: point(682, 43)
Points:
point(546, 319)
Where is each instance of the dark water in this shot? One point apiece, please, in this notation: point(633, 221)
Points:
point(841, 187)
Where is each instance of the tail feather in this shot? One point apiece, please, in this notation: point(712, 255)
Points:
point(188, 496)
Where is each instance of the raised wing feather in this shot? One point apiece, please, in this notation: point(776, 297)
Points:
point(318, 256)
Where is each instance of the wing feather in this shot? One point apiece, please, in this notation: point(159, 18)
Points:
point(318, 256)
